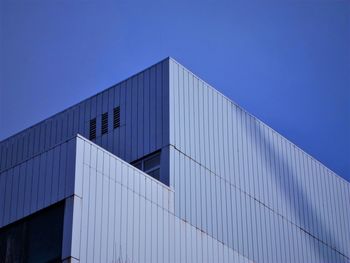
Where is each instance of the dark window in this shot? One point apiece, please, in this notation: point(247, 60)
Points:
point(104, 123)
point(138, 165)
point(149, 164)
point(155, 174)
point(92, 134)
point(116, 117)
point(37, 238)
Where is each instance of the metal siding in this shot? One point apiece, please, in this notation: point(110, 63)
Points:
point(165, 100)
point(41, 180)
point(269, 172)
point(8, 201)
point(144, 109)
point(8, 153)
point(139, 112)
point(145, 222)
point(2, 155)
point(30, 186)
point(132, 110)
point(3, 177)
point(159, 106)
point(235, 180)
point(21, 191)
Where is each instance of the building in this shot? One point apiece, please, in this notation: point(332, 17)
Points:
point(163, 168)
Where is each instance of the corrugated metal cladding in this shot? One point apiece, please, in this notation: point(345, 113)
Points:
point(144, 125)
point(36, 183)
point(246, 185)
point(124, 215)
point(238, 190)
point(113, 211)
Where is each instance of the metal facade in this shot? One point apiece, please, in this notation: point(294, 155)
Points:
point(238, 191)
point(246, 185)
point(36, 183)
point(123, 215)
point(144, 126)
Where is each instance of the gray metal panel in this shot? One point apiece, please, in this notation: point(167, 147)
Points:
point(265, 167)
point(118, 222)
point(144, 109)
point(32, 185)
point(234, 178)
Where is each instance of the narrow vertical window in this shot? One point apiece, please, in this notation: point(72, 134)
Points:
point(116, 117)
point(92, 134)
point(104, 123)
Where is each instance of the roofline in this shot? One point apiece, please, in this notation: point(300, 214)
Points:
point(260, 121)
point(90, 97)
point(169, 58)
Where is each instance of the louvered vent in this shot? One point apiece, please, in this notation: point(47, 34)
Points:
point(92, 135)
point(116, 117)
point(104, 123)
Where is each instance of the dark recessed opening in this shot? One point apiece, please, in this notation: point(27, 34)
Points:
point(104, 123)
point(92, 134)
point(116, 117)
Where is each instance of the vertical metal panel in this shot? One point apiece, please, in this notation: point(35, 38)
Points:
point(140, 107)
point(234, 178)
point(165, 100)
point(7, 196)
point(64, 123)
point(8, 153)
point(133, 116)
point(266, 168)
point(33, 184)
point(144, 233)
point(3, 177)
point(152, 108)
point(144, 108)
point(70, 122)
point(28, 187)
point(14, 153)
point(14, 194)
point(21, 191)
point(41, 180)
point(2, 155)
point(159, 104)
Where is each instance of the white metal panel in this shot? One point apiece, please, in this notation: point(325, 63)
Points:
point(244, 172)
point(255, 159)
point(145, 242)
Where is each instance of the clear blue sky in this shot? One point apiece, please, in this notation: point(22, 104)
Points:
point(285, 61)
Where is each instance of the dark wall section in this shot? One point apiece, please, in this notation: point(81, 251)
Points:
point(37, 238)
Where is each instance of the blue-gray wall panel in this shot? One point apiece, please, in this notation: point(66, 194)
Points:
point(120, 218)
point(237, 184)
point(208, 130)
point(144, 108)
point(37, 183)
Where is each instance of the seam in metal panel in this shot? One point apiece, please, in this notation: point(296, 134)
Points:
point(263, 204)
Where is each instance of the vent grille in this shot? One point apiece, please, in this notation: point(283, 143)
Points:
point(92, 134)
point(116, 117)
point(104, 123)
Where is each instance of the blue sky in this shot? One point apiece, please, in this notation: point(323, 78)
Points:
point(287, 61)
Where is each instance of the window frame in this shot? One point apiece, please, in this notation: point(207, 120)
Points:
point(144, 159)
